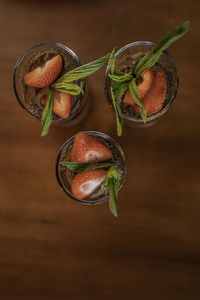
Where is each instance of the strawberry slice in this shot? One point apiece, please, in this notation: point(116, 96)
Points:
point(42, 77)
point(85, 183)
point(88, 149)
point(154, 98)
point(61, 105)
point(144, 86)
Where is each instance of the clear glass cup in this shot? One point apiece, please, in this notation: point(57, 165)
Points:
point(26, 95)
point(65, 176)
point(126, 59)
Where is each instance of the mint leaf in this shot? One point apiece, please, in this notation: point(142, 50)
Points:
point(111, 61)
point(112, 182)
point(118, 113)
point(120, 88)
point(40, 95)
point(82, 167)
point(82, 71)
point(153, 55)
point(121, 77)
point(47, 114)
point(134, 91)
point(69, 88)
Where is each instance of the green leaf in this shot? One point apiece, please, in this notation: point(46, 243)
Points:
point(111, 61)
point(69, 88)
point(135, 87)
point(47, 114)
point(81, 167)
point(82, 71)
point(40, 95)
point(118, 73)
point(120, 88)
point(133, 90)
point(153, 55)
point(118, 113)
point(112, 182)
point(121, 77)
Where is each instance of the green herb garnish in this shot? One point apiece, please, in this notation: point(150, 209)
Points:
point(124, 81)
point(153, 55)
point(70, 88)
point(82, 71)
point(66, 84)
point(121, 83)
point(40, 95)
point(134, 92)
point(111, 182)
point(82, 167)
point(47, 114)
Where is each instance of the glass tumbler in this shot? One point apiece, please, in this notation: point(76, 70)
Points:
point(26, 95)
point(126, 59)
point(65, 176)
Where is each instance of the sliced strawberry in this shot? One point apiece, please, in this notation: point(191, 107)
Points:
point(42, 77)
point(88, 149)
point(61, 105)
point(147, 78)
point(85, 183)
point(154, 98)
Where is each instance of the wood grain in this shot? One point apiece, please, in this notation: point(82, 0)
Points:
point(52, 248)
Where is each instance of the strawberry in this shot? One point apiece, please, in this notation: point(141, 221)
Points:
point(61, 105)
point(85, 183)
point(147, 78)
point(154, 98)
point(88, 149)
point(43, 76)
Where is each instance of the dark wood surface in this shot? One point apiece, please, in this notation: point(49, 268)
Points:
point(52, 248)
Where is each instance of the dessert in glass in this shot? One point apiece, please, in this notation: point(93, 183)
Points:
point(150, 88)
point(141, 80)
point(39, 67)
point(90, 147)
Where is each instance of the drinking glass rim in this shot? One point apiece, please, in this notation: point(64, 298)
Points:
point(18, 63)
point(90, 202)
point(164, 109)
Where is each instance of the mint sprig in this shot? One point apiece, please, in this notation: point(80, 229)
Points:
point(70, 88)
point(111, 183)
point(134, 92)
point(111, 61)
point(153, 55)
point(40, 95)
point(82, 167)
point(124, 81)
point(118, 112)
point(81, 72)
point(47, 114)
point(120, 77)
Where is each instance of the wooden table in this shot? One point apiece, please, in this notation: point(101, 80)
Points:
point(52, 248)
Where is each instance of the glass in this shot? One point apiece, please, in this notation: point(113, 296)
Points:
point(126, 59)
point(26, 95)
point(65, 176)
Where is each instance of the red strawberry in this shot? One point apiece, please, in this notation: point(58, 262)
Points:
point(42, 77)
point(89, 149)
point(154, 98)
point(61, 105)
point(147, 78)
point(85, 183)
